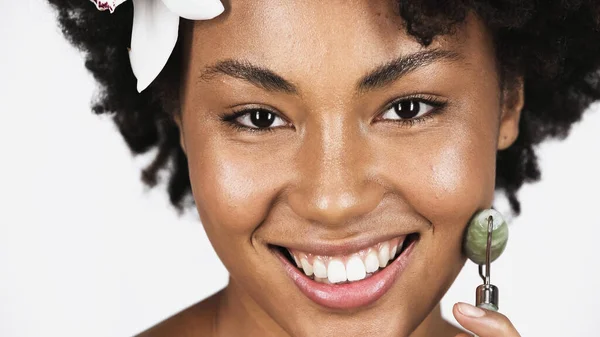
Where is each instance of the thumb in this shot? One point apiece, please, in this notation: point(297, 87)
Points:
point(483, 323)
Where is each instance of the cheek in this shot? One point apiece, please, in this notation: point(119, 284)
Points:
point(444, 177)
point(461, 178)
point(232, 186)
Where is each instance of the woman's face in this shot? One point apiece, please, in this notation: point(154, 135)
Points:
point(364, 137)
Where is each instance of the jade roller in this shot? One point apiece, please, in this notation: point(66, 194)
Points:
point(485, 240)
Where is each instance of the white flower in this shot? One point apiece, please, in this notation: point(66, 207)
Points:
point(155, 31)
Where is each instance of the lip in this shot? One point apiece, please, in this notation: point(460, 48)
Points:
point(338, 249)
point(349, 295)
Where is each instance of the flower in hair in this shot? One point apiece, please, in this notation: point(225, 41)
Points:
point(155, 31)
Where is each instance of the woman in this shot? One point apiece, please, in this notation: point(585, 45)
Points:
point(313, 133)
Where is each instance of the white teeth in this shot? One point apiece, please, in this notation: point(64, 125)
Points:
point(296, 260)
point(384, 254)
point(336, 271)
point(308, 270)
point(322, 280)
point(393, 253)
point(352, 267)
point(319, 269)
point(355, 269)
point(372, 262)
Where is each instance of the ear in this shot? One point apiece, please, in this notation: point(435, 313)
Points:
point(178, 121)
point(513, 99)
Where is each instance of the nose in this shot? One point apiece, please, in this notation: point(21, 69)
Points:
point(334, 182)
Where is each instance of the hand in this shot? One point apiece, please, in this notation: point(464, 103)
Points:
point(483, 323)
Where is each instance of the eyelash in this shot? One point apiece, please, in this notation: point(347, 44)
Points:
point(436, 103)
point(230, 120)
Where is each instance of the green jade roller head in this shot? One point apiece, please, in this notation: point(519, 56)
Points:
point(476, 238)
point(485, 240)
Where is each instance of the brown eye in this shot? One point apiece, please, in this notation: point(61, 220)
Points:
point(407, 109)
point(260, 119)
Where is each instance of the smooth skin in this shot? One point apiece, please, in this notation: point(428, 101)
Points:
point(338, 166)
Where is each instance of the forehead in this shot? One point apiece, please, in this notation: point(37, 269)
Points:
point(338, 39)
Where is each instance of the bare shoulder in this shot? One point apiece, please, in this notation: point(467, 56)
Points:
point(196, 320)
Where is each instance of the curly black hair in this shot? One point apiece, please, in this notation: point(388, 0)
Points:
point(553, 45)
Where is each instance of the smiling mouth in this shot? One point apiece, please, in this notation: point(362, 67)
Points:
point(348, 268)
point(348, 281)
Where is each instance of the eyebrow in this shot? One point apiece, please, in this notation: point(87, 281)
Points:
point(378, 78)
point(256, 75)
point(395, 69)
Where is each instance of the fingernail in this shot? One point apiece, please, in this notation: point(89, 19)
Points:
point(470, 311)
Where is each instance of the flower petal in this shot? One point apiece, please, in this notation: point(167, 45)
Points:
point(154, 34)
point(195, 9)
point(107, 4)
